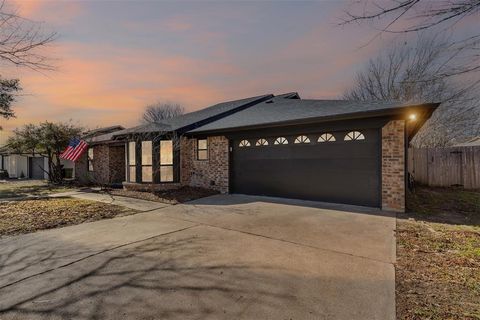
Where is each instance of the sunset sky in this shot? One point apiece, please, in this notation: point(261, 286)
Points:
point(114, 57)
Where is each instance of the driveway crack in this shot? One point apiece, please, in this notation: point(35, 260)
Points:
point(283, 240)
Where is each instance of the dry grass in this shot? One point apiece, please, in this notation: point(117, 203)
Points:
point(27, 216)
point(22, 188)
point(438, 256)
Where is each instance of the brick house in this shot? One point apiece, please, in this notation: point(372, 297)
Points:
point(326, 150)
point(104, 162)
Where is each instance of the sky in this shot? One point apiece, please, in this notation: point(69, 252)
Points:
point(115, 57)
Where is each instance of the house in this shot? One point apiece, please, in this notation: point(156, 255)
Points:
point(104, 161)
point(474, 142)
point(326, 150)
point(23, 165)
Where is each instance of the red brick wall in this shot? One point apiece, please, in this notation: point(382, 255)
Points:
point(108, 165)
point(116, 162)
point(211, 173)
point(393, 166)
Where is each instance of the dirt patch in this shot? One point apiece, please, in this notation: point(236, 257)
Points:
point(174, 196)
point(27, 216)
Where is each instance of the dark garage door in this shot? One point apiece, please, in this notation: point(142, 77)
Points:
point(334, 171)
point(36, 168)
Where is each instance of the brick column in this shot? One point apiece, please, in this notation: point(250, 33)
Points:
point(393, 166)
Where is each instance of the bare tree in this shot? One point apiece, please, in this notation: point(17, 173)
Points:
point(21, 41)
point(159, 111)
point(406, 72)
point(410, 16)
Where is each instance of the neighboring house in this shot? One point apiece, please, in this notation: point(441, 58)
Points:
point(104, 161)
point(30, 166)
point(23, 165)
point(475, 142)
point(284, 146)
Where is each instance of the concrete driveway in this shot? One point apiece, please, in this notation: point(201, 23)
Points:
point(222, 257)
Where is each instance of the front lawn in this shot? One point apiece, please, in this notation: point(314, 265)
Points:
point(27, 216)
point(438, 255)
point(22, 188)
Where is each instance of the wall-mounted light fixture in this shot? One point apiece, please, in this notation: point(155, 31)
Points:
point(412, 117)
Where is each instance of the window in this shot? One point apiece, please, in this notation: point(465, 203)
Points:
point(281, 140)
point(261, 142)
point(147, 161)
point(302, 139)
point(202, 149)
point(244, 143)
point(131, 162)
point(90, 159)
point(326, 137)
point(166, 161)
point(354, 135)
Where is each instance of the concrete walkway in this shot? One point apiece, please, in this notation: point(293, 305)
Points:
point(132, 203)
point(222, 257)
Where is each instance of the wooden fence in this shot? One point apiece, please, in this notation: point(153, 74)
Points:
point(445, 167)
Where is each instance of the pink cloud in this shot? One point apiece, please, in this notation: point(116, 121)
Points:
point(56, 13)
point(107, 85)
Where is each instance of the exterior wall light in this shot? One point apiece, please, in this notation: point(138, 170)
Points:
point(412, 117)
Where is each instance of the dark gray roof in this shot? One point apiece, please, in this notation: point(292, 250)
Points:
point(192, 118)
point(101, 135)
point(101, 131)
point(284, 110)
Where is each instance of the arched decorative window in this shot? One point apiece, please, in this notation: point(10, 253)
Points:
point(281, 140)
point(261, 142)
point(354, 135)
point(326, 137)
point(244, 143)
point(302, 139)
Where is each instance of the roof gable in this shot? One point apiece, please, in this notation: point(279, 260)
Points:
point(196, 119)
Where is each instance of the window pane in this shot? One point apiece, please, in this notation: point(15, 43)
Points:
point(146, 174)
point(90, 165)
point(202, 144)
point(131, 174)
point(146, 153)
point(166, 173)
point(166, 152)
point(131, 153)
point(90, 153)
point(202, 155)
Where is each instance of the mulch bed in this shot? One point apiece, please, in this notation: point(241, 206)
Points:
point(25, 216)
point(174, 196)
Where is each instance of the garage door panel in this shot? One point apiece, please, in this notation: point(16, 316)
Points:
point(342, 171)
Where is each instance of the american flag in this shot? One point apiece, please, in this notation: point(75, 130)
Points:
point(75, 149)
